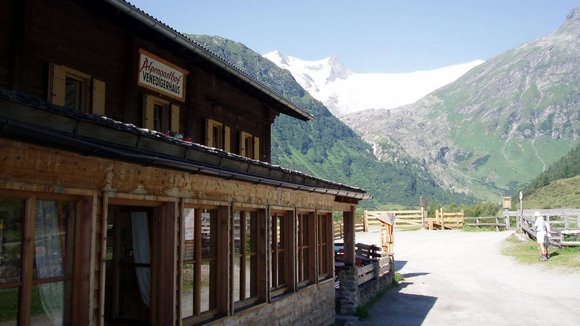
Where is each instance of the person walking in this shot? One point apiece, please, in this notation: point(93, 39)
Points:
point(542, 234)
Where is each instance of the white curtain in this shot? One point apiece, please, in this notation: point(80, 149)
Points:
point(142, 253)
point(49, 260)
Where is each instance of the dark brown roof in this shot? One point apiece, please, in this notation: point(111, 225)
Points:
point(30, 119)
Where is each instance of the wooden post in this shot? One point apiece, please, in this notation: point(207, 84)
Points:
point(423, 204)
point(519, 218)
point(365, 222)
point(349, 236)
point(442, 219)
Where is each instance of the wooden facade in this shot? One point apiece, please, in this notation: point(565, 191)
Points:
point(136, 184)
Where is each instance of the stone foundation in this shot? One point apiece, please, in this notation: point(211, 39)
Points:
point(351, 295)
point(313, 305)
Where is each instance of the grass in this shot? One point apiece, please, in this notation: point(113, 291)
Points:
point(559, 193)
point(526, 251)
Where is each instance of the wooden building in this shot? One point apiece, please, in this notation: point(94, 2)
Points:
point(136, 185)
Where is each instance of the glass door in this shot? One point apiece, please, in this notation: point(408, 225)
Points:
point(128, 274)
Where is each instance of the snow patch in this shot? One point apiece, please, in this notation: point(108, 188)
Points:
point(345, 92)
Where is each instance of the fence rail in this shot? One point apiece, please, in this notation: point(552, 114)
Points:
point(377, 268)
point(446, 220)
point(498, 222)
point(404, 219)
point(338, 229)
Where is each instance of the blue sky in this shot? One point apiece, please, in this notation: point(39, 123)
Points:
point(373, 35)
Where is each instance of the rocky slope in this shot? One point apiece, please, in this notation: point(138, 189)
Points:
point(496, 127)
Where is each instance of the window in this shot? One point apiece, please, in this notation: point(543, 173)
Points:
point(281, 275)
point(246, 260)
point(249, 146)
point(305, 249)
point(76, 90)
point(36, 276)
point(325, 250)
point(205, 261)
point(74, 93)
point(217, 135)
point(160, 114)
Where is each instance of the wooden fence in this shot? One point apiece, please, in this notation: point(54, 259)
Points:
point(376, 269)
point(565, 224)
point(370, 261)
point(498, 222)
point(404, 219)
point(446, 220)
point(338, 229)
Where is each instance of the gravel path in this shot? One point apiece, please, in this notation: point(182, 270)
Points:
point(456, 277)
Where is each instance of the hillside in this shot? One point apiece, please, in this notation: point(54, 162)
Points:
point(326, 147)
point(558, 186)
point(496, 127)
point(561, 193)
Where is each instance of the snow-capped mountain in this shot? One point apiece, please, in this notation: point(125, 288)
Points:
point(343, 91)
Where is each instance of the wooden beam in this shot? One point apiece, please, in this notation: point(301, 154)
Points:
point(103, 256)
point(222, 264)
point(263, 258)
point(83, 258)
point(349, 236)
point(164, 308)
point(27, 261)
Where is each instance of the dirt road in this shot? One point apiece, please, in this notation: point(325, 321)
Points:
point(461, 278)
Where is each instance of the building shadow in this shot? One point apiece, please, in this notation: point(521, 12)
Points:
point(399, 264)
point(409, 275)
point(396, 308)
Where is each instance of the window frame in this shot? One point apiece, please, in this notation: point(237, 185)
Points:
point(169, 116)
point(249, 145)
point(74, 252)
point(324, 245)
point(306, 244)
point(258, 270)
point(92, 92)
point(282, 269)
point(218, 295)
point(222, 133)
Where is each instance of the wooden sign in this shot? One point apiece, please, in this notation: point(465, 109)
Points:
point(161, 75)
point(507, 202)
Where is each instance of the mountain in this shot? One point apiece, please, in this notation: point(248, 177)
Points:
point(496, 127)
point(326, 147)
point(343, 91)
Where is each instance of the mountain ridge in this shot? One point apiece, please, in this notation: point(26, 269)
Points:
point(343, 91)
